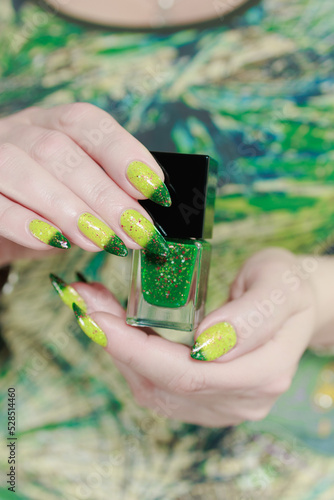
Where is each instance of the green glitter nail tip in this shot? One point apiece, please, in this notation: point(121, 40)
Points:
point(101, 234)
point(89, 327)
point(48, 234)
point(143, 178)
point(214, 342)
point(67, 293)
point(143, 232)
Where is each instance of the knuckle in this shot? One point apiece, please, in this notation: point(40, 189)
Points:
point(6, 214)
point(24, 115)
point(100, 194)
point(7, 157)
point(114, 142)
point(73, 113)
point(187, 383)
point(48, 145)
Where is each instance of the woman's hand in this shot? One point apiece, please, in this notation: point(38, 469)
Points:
point(272, 310)
point(73, 174)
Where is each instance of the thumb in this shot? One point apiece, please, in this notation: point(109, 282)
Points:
point(247, 322)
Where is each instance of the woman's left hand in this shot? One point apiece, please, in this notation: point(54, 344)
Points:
point(272, 309)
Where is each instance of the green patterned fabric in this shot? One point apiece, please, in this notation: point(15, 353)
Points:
point(257, 95)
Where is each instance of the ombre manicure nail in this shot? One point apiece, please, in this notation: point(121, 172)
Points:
point(89, 327)
point(143, 232)
point(214, 342)
point(67, 293)
point(101, 234)
point(48, 234)
point(143, 178)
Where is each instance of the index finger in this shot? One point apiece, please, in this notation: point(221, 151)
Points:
point(122, 156)
point(169, 366)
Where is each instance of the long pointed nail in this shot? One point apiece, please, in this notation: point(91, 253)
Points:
point(81, 277)
point(214, 342)
point(143, 232)
point(89, 327)
point(48, 234)
point(67, 293)
point(148, 183)
point(101, 234)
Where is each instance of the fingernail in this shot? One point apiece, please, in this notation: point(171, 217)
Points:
point(148, 183)
point(89, 327)
point(48, 234)
point(214, 342)
point(101, 234)
point(67, 293)
point(143, 232)
point(81, 277)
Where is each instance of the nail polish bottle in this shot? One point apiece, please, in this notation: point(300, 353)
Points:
point(169, 291)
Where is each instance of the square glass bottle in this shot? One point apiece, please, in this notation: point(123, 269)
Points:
point(170, 291)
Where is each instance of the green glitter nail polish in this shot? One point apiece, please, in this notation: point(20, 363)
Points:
point(67, 293)
point(148, 183)
point(168, 289)
point(101, 234)
point(214, 342)
point(143, 232)
point(89, 327)
point(48, 234)
point(166, 280)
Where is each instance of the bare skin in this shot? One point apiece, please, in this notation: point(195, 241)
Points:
point(147, 13)
point(295, 297)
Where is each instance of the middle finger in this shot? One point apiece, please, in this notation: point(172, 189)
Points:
point(73, 168)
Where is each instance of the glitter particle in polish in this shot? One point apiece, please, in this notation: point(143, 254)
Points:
point(89, 327)
point(48, 234)
point(148, 183)
point(214, 342)
point(143, 232)
point(101, 234)
point(166, 280)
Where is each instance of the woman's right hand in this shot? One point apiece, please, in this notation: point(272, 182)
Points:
point(73, 174)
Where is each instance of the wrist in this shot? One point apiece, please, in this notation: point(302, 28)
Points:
point(321, 279)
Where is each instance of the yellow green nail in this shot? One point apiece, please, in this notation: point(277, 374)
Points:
point(101, 234)
point(143, 232)
point(148, 183)
point(89, 327)
point(67, 293)
point(214, 342)
point(48, 234)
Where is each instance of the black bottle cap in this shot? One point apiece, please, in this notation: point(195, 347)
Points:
point(191, 181)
